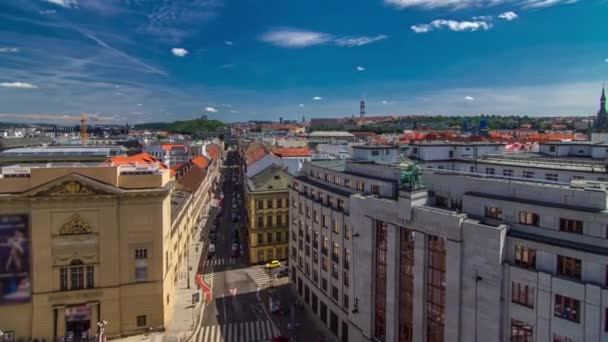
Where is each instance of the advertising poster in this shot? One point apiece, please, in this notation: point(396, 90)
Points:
point(15, 285)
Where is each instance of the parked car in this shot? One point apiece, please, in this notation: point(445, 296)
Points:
point(212, 236)
point(282, 272)
point(211, 250)
point(272, 264)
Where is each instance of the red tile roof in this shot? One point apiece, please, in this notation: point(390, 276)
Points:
point(192, 179)
point(140, 158)
point(255, 152)
point(285, 152)
point(167, 147)
point(201, 162)
point(213, 150)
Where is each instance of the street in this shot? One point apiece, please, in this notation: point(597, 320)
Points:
point(236, 311)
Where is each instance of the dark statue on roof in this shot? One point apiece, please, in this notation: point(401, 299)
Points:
point(411, 177)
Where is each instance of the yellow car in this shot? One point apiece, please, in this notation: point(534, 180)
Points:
point(272, 264)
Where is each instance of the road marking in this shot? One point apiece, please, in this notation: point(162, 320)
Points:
point(233, 291)
point(257, 294)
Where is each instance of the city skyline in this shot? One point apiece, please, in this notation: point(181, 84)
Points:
point(143, 61)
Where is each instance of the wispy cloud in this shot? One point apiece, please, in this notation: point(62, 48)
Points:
point(360, 68)
point(462, 4)
point(118, 52)
point(469, 98)
point(48, 12)
point(8, 49)
point(453, 25)
point(179, 52)
point(229, 43)
point(508, 16)
point(296, 38)
point(301, 105)
point(358, 41)
point(317, 98)
point(63, 3)
point(606, 60)
point(210, 110)
point(23, 85)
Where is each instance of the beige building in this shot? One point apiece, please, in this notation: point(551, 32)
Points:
point(83, 243)
point(267, 198)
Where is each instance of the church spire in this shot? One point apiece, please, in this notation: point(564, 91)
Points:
point(603, 100)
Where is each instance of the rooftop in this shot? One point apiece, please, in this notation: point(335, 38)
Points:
point(330, 134)
point(375, 146)
point(331, 164)
point(272, 178)
point(286, 152)
point(536, 160)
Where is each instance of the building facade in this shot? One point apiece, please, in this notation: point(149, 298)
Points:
point(267, 201)
point(467, 257)
point(83, 243)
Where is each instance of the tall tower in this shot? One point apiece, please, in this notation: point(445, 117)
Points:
point(601, 122)
point(362, 109)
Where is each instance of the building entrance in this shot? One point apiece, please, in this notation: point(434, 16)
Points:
point(77, 323)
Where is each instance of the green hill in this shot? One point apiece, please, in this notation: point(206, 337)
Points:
point(186, 126)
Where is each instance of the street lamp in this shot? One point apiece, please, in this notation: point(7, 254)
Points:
point(101, 326)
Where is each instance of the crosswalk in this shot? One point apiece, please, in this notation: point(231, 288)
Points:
point(220, 262)
point(258, 275)
point(208, 279)
point(238, 332)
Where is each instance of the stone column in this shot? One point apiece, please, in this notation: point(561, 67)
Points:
point(392, 282)
point(453, 277)
point(419, 333)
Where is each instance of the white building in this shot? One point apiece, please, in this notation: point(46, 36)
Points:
point(469, 257)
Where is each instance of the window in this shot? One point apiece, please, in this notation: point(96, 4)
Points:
point(335, 227)
point(315, 240)
point(507, 173)
point(334, 293)
point(141, 253)
point(346, 261)
point(345, 278)
point(493, 213)
point(260, 238)
point(315, 217)
point(347, 183)
point(551, 177)
point(261, 204)
point(279, 203)
point(567, 308)
point(381, 233)
point(260, 221)
point(325, 245)
point(76, 278)
point(334, 270)
point(142, 321)
point(571, 226)
point(315, 256)
point(522, 294)
point(441, 201)
point(268, 221)
point(279, 237)
point(324, 221)
point(315, 276)
point(340, 204)
point(326, 177)
point(90, 277)
point(375, 153)
point(490, 171)
point(525, 256)
point(330, 201)
point(415, 150)
point(376, 189)
point(347, 232)
point(324, 263)
point(360, 186)
point(435, 291)
point(345, 301)
point(324, 284)
point(63, 279)
point(569, 267)
point(530, 219)
point(606, 320)
point(293, 236)
point(559, 338)
point(551, 148)
point(335, 254)
point(280, 220)
point(406, 285)
point(528, 174)
point(521, 332)
point(471, 168)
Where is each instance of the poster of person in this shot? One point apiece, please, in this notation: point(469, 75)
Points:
point(15, 286)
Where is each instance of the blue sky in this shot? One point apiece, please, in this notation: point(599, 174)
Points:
point(163, 60)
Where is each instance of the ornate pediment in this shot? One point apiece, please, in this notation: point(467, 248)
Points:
point(75, 225)
point(70, 187)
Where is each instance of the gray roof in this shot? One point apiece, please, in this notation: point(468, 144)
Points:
point(332, 164)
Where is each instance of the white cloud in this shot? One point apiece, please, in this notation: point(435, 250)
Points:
point(234, 111)
point(606, 60)
point(8, 49)
point(139, 105)
point(360, 68)
point(317, 98)
point(63, 3)
point(358, 41)
point(461, 4)
point(385, 102)
point(301, 105)
point(295, 38)
point(211, 110)
point(508, 16)
point(453, 25)
point(48, 12)
point(482, 17)
point(179, 52)
point(23, 85)
point(469, 98)
point(228, 43)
